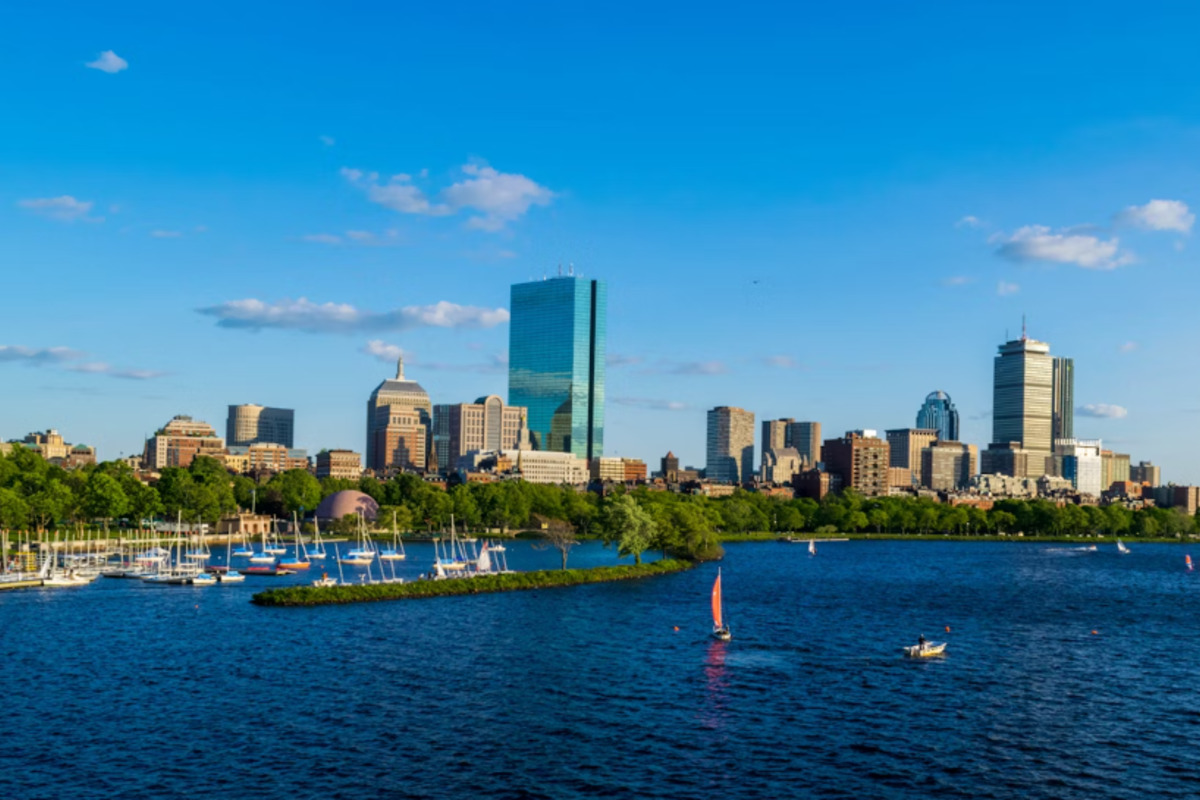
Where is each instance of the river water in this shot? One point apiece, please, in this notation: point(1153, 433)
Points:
point(123, 690)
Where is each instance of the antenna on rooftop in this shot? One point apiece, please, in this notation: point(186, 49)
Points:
point(1023, 334)
point(571, 270)
point(560, 269)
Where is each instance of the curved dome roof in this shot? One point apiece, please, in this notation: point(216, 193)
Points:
point(339, 504)
point(938, 395)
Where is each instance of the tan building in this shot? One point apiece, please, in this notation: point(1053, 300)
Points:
point(1146, 473)
point(264, 457)
point(177, 444)
point(862, 461)
point(1007, 458)
point(670, 467)
point(803, 437)
point(51, 446)
point(904, 449)
point(244, 524)
point(532, 466)
point(730, 445)
point(780, 464)
point(948, 466)
point(399, 425)
point(1114, 468)
point(900, 478)
point(251, 424)
point(486, 424)
point(339, 464)
point(618, 470)
point(1022, 400)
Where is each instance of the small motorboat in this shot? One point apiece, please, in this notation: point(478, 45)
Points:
point(926, 650)
point(231, 576)
point(325, 580)
point(204, 579)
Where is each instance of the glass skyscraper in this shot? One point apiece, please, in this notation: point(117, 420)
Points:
point(556, 362)
point(939, 414)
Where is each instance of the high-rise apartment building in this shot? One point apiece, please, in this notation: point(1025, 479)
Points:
point(1081, 464)
point(861, 460)
point(1022, 392)
point(339, 464)
point(177, 443)
point(938, 413)
point(251, 424)
point(399, 423)
point(556, 351)
point(778, 434)
point(486, 424)
point(1114, 468)
point(730, 445)
point(1062, 412)
point(948, 466)
point(806, 438)
point(1145, 472)
point(904, 450)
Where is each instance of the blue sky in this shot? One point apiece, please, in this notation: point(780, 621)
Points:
point(822, 211)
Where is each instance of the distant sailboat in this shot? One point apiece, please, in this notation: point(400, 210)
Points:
point(396, 551)
point(301, 559)
point(1188, 559)
point(1121, 548)
point(812, 547)
point(720, 627)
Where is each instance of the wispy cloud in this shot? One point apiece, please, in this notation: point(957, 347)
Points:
point(1102, 411)
point(389, 353)
point(161, 234)
point(495, 198)
point(361, 238)
point(957, 280)
point(322, 238)
point(304, 315)
point(617, 360)
point(689, 368)
point(383, 351)
point(1127, 347)
point(64, 208)
point(1068, 246)
point(37, 356)
point(969, 222)
point(650, 403)
point(71, 360)
point(109, 62)
point(783, 362)
point(1004, 289)
point(1159, 215)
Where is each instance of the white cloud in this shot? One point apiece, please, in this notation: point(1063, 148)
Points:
point(1128, 347)
point(501, 197)
point(328, 141)
point(649, 403)
point(322, 238)
point(166, 234)
point(689, 368)
point(1004, 289)
point(956, 280)
point(383, 351)
point(498, 197)
point(783, 362)
point(64, 207)
point(389, 353)
point(1102, 410)
point(1039, 243)
point(616, 360)
point(1159, 215)
point(969, 222)
point(102, 368)
point(389, 237)
point(37, 356)
point(304, 315)
point(109, 62)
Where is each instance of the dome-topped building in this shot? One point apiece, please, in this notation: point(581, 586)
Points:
point(339, 504)
point(399, 422)
point(938, 413)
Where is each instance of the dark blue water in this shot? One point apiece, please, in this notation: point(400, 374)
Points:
point(122, 690)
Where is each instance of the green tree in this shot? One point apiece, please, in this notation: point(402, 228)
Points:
point(50, 504)
point(104, 498)
point(14, 511)
point(298, 490)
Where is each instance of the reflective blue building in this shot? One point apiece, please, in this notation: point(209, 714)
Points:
point(939, 414)
point(556, 362)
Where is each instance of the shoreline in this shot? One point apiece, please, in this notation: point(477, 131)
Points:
point(308, 596)
point(764, 536)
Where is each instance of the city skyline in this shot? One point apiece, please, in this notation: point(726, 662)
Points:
point(221, 243)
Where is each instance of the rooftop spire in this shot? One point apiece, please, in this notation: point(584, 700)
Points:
point(400, 368)
point(1024, 336)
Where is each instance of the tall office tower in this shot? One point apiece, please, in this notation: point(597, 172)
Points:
point(1114, 468)
point(486, 424)
point(399, 422)
point(1082, 464)
point(806, 438)
point(1022, 392)
point(670, 467)
point(947, 466)
point(861, 460)
point(1062, 421)
point(556, 348)
point(938, 413)
point(904, 448)
point(730, 445)
point(250, 424)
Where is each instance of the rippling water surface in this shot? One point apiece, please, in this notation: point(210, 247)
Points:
point(123, 690)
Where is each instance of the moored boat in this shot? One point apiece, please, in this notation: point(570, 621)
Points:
point(925, 649)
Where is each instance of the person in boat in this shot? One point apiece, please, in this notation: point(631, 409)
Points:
point(921, 643)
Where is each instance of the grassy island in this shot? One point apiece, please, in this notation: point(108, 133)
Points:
point(514, 582)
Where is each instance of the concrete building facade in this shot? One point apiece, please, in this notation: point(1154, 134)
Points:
point(399, 425)
point(339, 464)
point(1022, 394)
point(948, 466)
point(179, 442)
point(861, 459)
point(730, 445)
point(904, 449)
point(252, 424)
point(486, 424)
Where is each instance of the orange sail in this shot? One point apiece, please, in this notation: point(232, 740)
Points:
point(716, 601)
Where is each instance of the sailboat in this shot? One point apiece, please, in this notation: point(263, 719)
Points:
point(361, 555)
point(244, 550)
point(812, 547)
point(230, 575)
point(396, 551)
point(275, 547)
point(301, 559)
point(267, 554)
point(1188, 560)
point(1121, 548)
point(317, 551)
point(720, 626)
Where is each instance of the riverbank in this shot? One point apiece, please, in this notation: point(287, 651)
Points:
point(293, 596)
point(767, 536)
